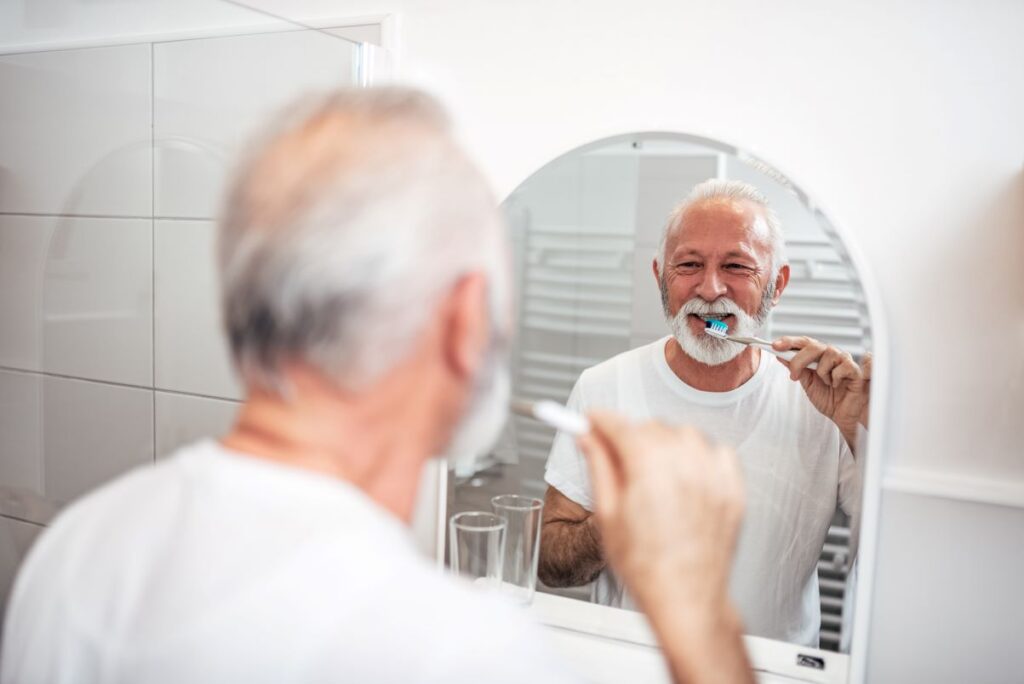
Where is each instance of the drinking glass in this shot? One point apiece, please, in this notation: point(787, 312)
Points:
point(476, 541)
point(522, 544)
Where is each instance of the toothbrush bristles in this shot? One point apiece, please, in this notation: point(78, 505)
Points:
point(716, 328)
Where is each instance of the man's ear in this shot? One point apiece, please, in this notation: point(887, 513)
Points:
point(467, 327)
point(781, 281)
point(657, 274)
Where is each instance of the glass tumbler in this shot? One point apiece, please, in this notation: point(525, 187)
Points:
point(522, 544)
point(476, 542)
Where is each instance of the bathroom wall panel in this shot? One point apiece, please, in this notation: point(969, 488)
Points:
point(944, 564)
point(608, 194)
point(648, 317)
point(21, 448)
point(182, 419)
point(663, 181)
point(76, 297)
point(212, 94)
point(77, 132)
point(190, 349)
point(92, 432)
point(64, 437)
point(16, 539)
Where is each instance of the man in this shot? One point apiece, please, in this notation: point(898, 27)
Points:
point(365, 299)
point(721, 258)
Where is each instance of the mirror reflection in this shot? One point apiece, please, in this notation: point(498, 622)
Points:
point(626, 251)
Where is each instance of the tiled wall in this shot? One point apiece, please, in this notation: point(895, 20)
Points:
point(112, 164)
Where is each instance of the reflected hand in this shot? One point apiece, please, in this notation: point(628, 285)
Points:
point(838, 387)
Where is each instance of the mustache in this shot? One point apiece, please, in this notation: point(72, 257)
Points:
point(721, 306)
point(767, 295)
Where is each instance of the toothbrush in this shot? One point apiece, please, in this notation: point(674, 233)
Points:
point(720, 330)
point(553, 414)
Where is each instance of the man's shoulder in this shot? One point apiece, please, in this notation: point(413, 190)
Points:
point(606, 373)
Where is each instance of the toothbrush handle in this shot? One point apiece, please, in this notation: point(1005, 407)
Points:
point(784, 355)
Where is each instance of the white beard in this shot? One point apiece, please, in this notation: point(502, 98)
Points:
point(707, 349)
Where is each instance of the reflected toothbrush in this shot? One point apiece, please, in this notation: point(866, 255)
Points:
point(718, 329)
point(554, 414)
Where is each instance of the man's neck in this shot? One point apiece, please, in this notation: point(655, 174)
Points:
point(722, 378)
point(353, 441)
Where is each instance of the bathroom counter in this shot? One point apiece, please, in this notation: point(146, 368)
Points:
point(605, 644)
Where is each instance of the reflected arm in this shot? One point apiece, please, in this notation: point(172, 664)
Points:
point(570, 546)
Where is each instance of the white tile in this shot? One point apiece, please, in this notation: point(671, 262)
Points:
point(648, 317)
point(92, 433)
point(16, 538)
point(664, 182)
point(211, 94)
point(191, 352)
point(21, 447)
point(76, 134)
point(24, 242)
point(182, 419)
point(608, 193)
point(76, 297)
point(59, 438)
point(551, 196)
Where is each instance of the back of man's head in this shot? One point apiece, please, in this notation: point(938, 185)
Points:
point(342, 228)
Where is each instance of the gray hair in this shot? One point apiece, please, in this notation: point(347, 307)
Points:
point(737, 191)
point(342, 230)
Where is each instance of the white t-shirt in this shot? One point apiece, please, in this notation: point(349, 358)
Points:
point(214, 566)
point(797, 468)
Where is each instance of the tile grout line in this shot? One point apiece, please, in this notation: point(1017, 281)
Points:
point(121, 385)
point(26, 521)
point(29, 214)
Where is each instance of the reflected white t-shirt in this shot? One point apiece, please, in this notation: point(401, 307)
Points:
point(796, 464)
point(213, 566)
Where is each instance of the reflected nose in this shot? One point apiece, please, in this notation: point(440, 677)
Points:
point(711, 286)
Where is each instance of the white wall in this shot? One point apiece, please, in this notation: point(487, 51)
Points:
point(903, 120)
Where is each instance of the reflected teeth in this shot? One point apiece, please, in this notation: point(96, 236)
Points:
point(712, 317)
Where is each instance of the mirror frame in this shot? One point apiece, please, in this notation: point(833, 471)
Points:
point(766, 655)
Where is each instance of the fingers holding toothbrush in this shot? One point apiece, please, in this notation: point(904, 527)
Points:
point(669, 507)
point(837, 387)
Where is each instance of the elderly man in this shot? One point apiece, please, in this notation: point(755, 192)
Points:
point(365, 299)
point(721, 258)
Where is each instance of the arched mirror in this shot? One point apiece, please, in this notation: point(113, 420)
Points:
point(612, 243)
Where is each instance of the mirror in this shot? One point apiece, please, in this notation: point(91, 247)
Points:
point(593, 331)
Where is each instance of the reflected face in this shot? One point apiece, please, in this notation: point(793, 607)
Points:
point(718, 263)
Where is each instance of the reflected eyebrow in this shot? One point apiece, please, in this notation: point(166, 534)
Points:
point(731, 254)
point(740, 254)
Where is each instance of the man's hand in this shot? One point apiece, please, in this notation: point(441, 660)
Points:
point(838, 387)
point(669, 507)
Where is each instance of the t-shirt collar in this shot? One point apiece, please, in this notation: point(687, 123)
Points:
point(702, 397)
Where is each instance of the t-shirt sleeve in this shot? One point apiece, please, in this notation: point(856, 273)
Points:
point(567, 468)
point(851, 485)
point(851, 474)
